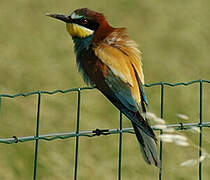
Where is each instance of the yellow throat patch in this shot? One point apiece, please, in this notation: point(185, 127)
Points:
point(76, 30)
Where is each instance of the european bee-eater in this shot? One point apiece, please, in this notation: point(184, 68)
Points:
point(110, 60)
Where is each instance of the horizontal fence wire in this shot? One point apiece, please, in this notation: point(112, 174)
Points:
point(86, 88)
point(98, 132)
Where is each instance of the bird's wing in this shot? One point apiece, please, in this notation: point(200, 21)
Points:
point(125, 73)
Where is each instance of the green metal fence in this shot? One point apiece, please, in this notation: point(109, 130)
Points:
point(98, 132)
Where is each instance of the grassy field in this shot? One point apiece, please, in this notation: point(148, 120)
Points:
point(37, 54)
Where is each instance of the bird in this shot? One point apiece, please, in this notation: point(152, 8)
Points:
point(109, 60)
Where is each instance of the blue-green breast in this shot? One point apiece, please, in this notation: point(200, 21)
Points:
point(81, 46)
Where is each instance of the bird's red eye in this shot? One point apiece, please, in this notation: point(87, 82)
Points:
point(84, 21)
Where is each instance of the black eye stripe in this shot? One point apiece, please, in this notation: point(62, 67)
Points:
point(89, 24)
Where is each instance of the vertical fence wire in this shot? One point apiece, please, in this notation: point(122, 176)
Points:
point(120, 150)
point(37, 137)
point(161, 132)
point(77, 132)
point(200, 135)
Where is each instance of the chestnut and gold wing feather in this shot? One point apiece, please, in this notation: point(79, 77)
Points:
point(125, 74)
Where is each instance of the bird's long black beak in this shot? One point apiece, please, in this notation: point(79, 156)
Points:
point(61, 17)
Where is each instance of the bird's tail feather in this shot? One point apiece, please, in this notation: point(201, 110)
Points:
point(144, 132)
point(147, 146)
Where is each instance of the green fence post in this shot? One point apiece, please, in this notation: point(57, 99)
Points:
point(77, 137)
point(120, 150)
point(201, 122)
point(37, 137)
point(161, 132)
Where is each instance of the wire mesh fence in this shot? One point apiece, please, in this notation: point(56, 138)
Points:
point(97, 132)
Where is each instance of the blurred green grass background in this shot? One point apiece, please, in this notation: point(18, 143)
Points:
point(37, 54)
